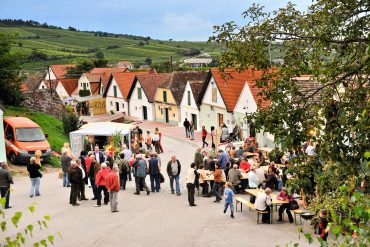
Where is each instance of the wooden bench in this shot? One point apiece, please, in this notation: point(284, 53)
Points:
point(249, 205)
point(295, 212)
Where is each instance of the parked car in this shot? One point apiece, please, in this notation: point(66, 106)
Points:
point(22, 138)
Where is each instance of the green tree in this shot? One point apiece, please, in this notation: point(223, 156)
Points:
point(330, 42)
point(10, 76)
point(99, 55)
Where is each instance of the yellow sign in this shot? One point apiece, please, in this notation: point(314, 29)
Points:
point(97, 106)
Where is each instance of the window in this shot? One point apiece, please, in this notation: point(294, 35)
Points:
point(81, 84)
point(189, 100)
point(84, 86)
point(165, 96)
point(43, 87)
point(139, 96)
point(214, 94)
point(135, 108)
point(123, 105)
point(173, 115)
point(115, 91)
point(161, 111)
point(111, 103)
point(9, 135)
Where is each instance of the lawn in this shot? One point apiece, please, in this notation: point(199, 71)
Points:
point(49, 124)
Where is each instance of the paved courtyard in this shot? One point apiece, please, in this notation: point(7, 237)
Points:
point(160, 219)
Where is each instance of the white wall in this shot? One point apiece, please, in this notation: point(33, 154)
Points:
point(111, 100)
point(2, 139)
point(136, 104)
point(207, 98)
point(42, 85)
point(83, 79)
point(62, 93)
point(246, 102)
point(186, 110)
point(52, 75)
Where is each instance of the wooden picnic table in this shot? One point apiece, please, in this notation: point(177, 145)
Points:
point(209, 176)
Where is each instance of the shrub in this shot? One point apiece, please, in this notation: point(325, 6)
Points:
point(70, 122)
point(36, 56)
point(112, 47)
point(84, 92)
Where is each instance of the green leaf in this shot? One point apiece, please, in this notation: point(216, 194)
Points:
point(31, 209)
point(36, 245)
point(47, 217)
point(51, 239)
point(308, 236)
point(30, 229)
point(3, 226)
point(43, 242)
point(16, 217)
point(358, 210)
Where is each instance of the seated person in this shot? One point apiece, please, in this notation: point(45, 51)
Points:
point(202, 181)
point(244, 165)
point(232, 152)
point(263, 203)
point(261, 158)
point(261, 175)
point(271, 179)
point(283, 196)
point(239, 152)
point(234, 178)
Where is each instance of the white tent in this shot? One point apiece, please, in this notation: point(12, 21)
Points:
point(98, 129)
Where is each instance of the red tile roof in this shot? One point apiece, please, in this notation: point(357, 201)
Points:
point(105, 73)
point(95, 88)
point(69, 85)
point(60, 70)
point(150, 83)
point(91, 77)
point(124, 81)
point(232, 84)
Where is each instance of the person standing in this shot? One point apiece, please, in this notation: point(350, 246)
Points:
point(186, 126)
point(83, 179)
point(154, 170)
point(223, 158)
point(198, 157)
point(128, 154)
point(90, 145)
point(224, 133)
point(148, 141)
point(6, 179)
point(217, 174)
point(99, 156)
point(191, 130)
point(204, 136)
point(263, 203)
point(112, 184)
point(173, 171)
point(160, 140)
point(229, 199)
point(65, 161)
point(234, 177)
point(108, 158)
point(35, 176)
point(93, 170)
point(156, 142)
point(75, 183)
point(191, 179)
point(123, 168)
point(140, 174)
point(100, 183)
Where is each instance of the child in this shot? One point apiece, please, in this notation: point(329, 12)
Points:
point(229, 198)
point(323, 223)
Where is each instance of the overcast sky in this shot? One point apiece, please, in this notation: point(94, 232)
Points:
point(159, 19)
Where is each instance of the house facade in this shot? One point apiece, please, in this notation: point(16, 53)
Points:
point(190, 106)
point(142, 94)
point(166, 109)
point(117, 91)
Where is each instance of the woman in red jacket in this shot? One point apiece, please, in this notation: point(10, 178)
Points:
point(204, 136)
point(112, 184)
point(101, 184)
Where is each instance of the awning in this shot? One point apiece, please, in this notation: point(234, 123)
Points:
point(103, 129)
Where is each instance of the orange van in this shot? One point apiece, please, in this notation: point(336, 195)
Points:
point(22, 138)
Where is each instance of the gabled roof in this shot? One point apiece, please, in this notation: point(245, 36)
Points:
point(179, 80)
point(196, 89)
point(60, 70)
point(95, 88)
point(91, 77)
point(53, 83)
point(306, 86)
point(105, 74)
point(150, 83)
point(69, 85)
point(230, 84)
point(124, 82)
point(31, 83)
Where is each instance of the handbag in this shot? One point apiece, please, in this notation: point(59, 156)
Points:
point(161, 178)
point(294, 205)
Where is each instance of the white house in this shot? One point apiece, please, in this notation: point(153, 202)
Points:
point(117, 90)
point(2, 139)
point(190, 106)
point(142, 93)
point(91, 82)
point(247, 104)
point(198, 62)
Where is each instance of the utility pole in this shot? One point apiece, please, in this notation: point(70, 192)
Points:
point(51, 91)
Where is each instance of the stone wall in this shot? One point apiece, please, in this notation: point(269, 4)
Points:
point(40, 100)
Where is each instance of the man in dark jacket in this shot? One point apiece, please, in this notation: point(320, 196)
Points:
point(173, 171)
point(81, 177)
point(6, 180)
point(198, 157)
point(108, 158)
point(92, 171)
point(123, 168)
point(140, 174)
point(154, 170)
point(186, 126)
point(74, 179)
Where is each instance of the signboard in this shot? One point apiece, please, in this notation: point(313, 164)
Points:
point(76, 144)
point(98, 106)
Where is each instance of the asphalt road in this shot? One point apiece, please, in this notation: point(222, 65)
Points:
point(160, 219)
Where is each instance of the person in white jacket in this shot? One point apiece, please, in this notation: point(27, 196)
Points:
point(191, 178)
point(263, 203)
